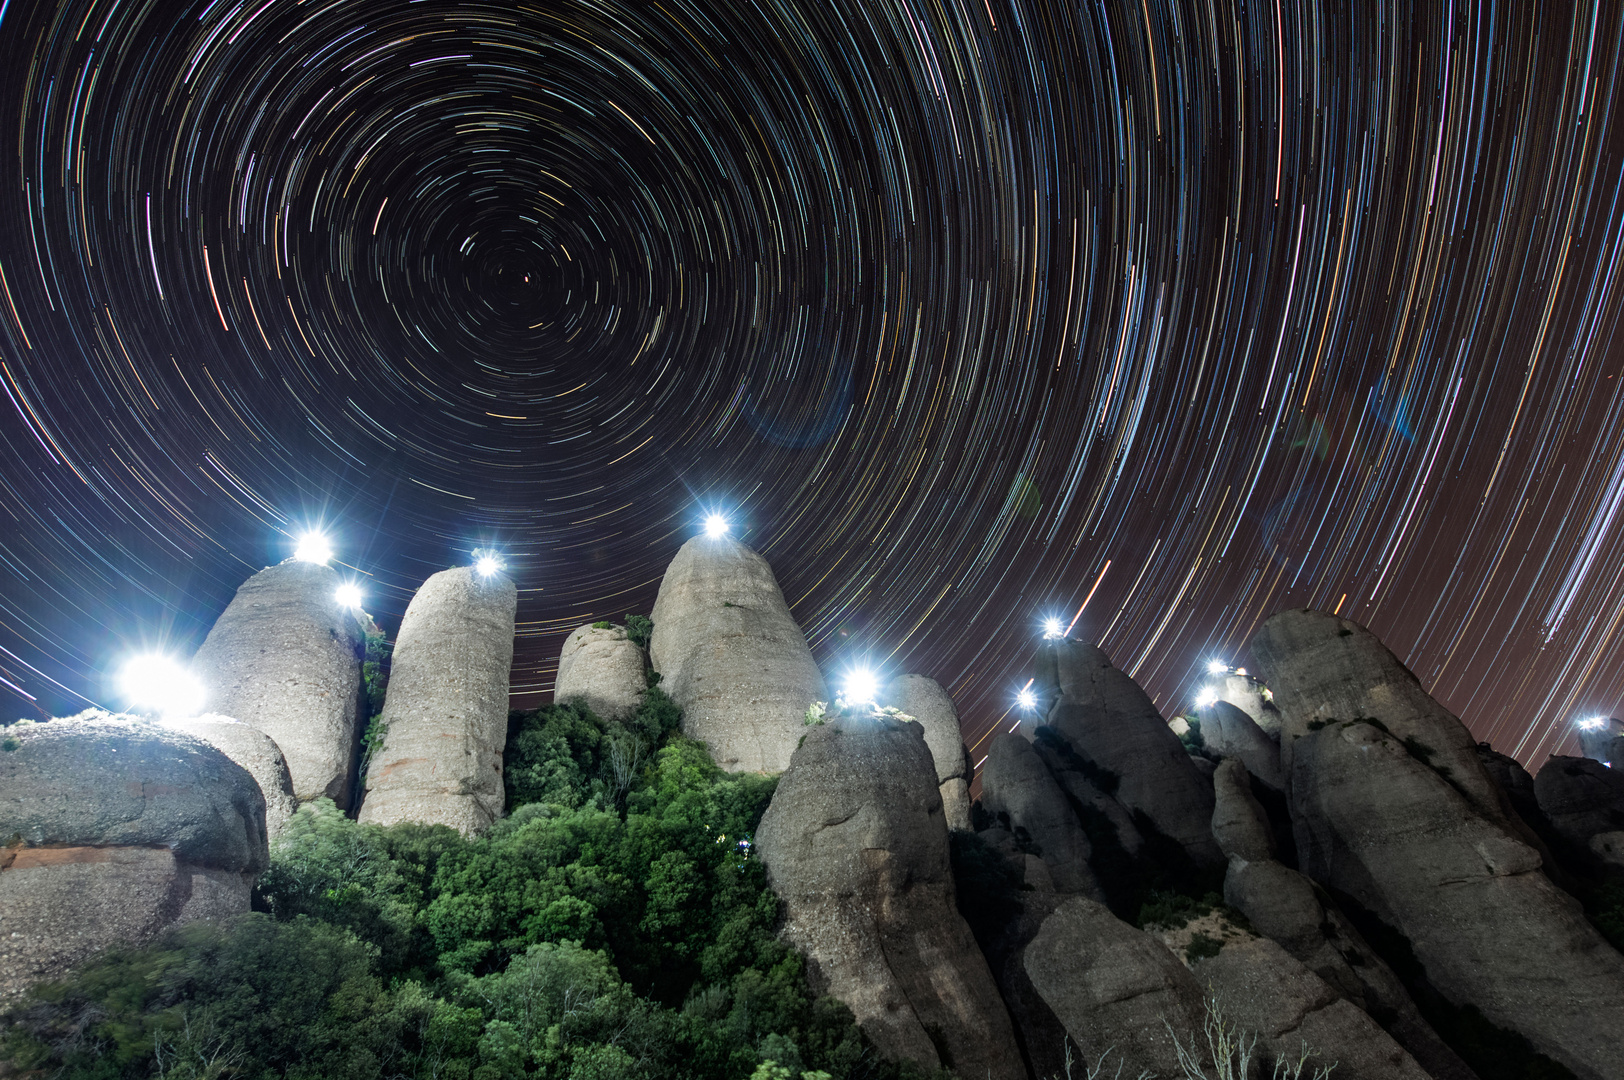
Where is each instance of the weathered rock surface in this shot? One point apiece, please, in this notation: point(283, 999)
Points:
point(1581, 798)
point(1017, 787)
point(1104, 716)
point(112, 829)
point(1112, 986)
point(1084, 793)
point(255, 751)
point(285, 657)
point(924, 699)
point(446, 709)
point(1251, 697)
point(1229, 732)
point(1265, 990)
point(1489, 928)
point(857, 850)
point(732, 656)
point(1596, 739)
point(602, 669)
point(1239, 823)
point(1513, 781)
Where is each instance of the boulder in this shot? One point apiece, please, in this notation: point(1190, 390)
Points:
point(446, 710)
point(1264, 990)
point(1596, 738)
point(1489, 928)
point(1086, 797)
point(112, 829)
point(1239, 823)
point(1512, 779)
point(1229, 732)
point(732, 656)
point(1581, 798)
point(1104, 717)
point(924, 699)
point(255, 751)
point(1112, 987)
point(856, 848)
point(603, 669)
point(285, 658)
point(1251, 697)
point(1016, 788)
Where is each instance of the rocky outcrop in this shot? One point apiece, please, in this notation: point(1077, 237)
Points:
point(1512, 779)
point(601, 668)
point(114, 829)
point(1105, 718)
point(1596, 739)
point(255, 751)
point(285, 658)
point(1239, 823)
point(924, 699)
point(446, 709)
point(1583, 800)
point(1251, 697)
point(1016, 788)
point(1114, 988)
point(856, 849)
point(1229, 732)
point(732, 656)
point(1376, 823)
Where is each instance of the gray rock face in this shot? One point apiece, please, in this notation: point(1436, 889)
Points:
point(1580, 797)
point(255, 751)
point(1112, 986)
point(1381, 826)
point(1230, 733)
point(1239, 823)
point(1015, 783)
point(113, 829)
point(1265, 990)
point(1251, 697)
point(285, 657)
point(924, 699)
point(856, 848)
point(1596, 740)
point(1105, 717)
point(1513, 781)
point(732, 656)
point(447, 705)
point(602, 669)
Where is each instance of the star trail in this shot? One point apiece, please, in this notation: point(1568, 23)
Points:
point(1150, 317)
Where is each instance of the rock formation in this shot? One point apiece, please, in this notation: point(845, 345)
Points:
point(1596, 739)
point(285, 657)
point(1584, 802)
point(856, 848)
point(1105, 718)
point(731, 655)
point(1251, 697)
point(603, 669)
point(445, 712)
point(925, 700)
point(1017, 789)
point(1229, 732)
point(113, 829)
point(255, 751)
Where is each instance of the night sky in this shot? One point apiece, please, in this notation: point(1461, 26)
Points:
point(966, 311)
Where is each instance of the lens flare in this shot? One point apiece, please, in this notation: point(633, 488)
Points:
point(487, 564)
point(161, 684)
point(349, 595)
point(860, 688)
point(715, 525)
point(313, 547)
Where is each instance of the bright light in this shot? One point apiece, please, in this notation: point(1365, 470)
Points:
point(1592, 723)
point(1026, 699)
point(313, 547)
point(715, 525)
point(1217, 667)
point(861, 687)
point(487, 564)
point(162, 685)
point(1205, 698)
point(1052, 628)
point(349, 595)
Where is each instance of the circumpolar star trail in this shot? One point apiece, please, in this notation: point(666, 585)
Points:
point(950, 307)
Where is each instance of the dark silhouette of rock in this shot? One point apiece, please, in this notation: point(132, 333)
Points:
point(255, 751)
point(1513, 781)
point(1016, 788)
point(1583, 799)
point(603, 669)
point(1104, 717)
point(112, 829)
point(446, 710)
point(285, 657)
point(856, 848)
point(732, 656)
point(1596, 739)
point(924, 699)
point(1229, 732)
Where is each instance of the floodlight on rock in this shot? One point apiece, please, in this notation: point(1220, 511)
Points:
point(1026, 700)
point(313, 547)
point(1217, 667)
point(861, 687)
point(487, 563)
point(349, 595)
point(1591, 723)
point(1205, 698)
point(1052, 628)
point(715, 525)
point(153, 682)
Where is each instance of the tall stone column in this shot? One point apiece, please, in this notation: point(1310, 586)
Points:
point(285, 658)
point(446, 710)
point(732, 656)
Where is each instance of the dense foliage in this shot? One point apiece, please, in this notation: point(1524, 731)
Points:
point(616, 924)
